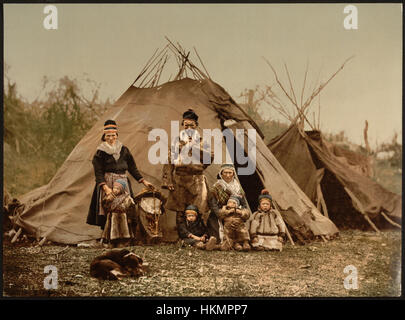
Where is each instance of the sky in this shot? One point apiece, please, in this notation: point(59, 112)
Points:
point(110, 44)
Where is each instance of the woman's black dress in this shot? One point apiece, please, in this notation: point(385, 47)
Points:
point(103, 163)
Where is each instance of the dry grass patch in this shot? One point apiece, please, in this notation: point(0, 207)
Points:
point(314, 270)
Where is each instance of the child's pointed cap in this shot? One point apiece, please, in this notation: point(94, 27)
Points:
point(265, 195)
point(121, 183)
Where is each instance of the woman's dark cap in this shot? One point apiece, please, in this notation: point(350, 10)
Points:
point(109, 126)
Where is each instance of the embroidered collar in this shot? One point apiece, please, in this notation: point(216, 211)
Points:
point(114, 150)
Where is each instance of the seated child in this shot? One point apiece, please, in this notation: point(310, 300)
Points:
point(236, 235)
point(267, 228)
point(193, 230)
point(118, 205)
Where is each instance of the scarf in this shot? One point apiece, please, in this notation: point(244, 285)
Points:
point(114, 150)
point(233, 187)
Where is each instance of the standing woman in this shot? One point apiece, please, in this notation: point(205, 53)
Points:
point(111, 161)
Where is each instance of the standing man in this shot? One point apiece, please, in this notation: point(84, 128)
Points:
point(185, 180)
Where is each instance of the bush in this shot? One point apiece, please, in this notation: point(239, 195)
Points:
point(38, 136)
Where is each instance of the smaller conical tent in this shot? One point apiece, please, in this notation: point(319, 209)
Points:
point(59, 209)
point(351, 198)
point(335, 180)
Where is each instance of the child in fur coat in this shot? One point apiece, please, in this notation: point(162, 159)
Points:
point(236, 235)
point(119, 205)
point(267, 228)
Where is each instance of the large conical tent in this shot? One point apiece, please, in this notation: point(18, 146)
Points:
point(58, 210)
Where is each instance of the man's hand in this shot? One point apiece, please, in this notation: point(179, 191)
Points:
point(170, 187)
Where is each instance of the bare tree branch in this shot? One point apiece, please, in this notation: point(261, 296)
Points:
point(323, 85)
point(279, 82)
point(300, 112)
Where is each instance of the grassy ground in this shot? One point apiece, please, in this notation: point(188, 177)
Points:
point(301, 271)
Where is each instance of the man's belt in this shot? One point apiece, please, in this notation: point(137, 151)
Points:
point(187, 171)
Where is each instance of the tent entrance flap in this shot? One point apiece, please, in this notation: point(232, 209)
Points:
point(251, 184)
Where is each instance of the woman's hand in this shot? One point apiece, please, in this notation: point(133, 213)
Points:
point(170, 187)
point(107, 190)
point(147, 184)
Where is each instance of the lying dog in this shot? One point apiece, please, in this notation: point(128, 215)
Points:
point(116, 264)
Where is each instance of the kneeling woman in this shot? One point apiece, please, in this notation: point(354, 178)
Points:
point(111, 161)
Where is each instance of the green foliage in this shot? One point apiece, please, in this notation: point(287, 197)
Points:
point(38, 136)
point(393, 147)
point(387, 176)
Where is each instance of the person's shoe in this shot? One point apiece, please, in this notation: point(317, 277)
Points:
point(246, 246)
point(200, 245)
point(181, 243)
point(108, 245)
point(224, 246)
point(122, 244)
point(237, 247)
point(211, 244)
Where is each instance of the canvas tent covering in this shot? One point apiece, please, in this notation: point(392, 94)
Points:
point(58, 210)
point(349, 195)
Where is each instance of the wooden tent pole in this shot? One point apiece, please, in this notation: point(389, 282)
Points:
point(289, 235)
point(360, 207)
point(321, 199)
point(16, 235)
point(390, 221)
point(371, 223)
point(40, 244)
point(201, 62)
point(286, 228)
